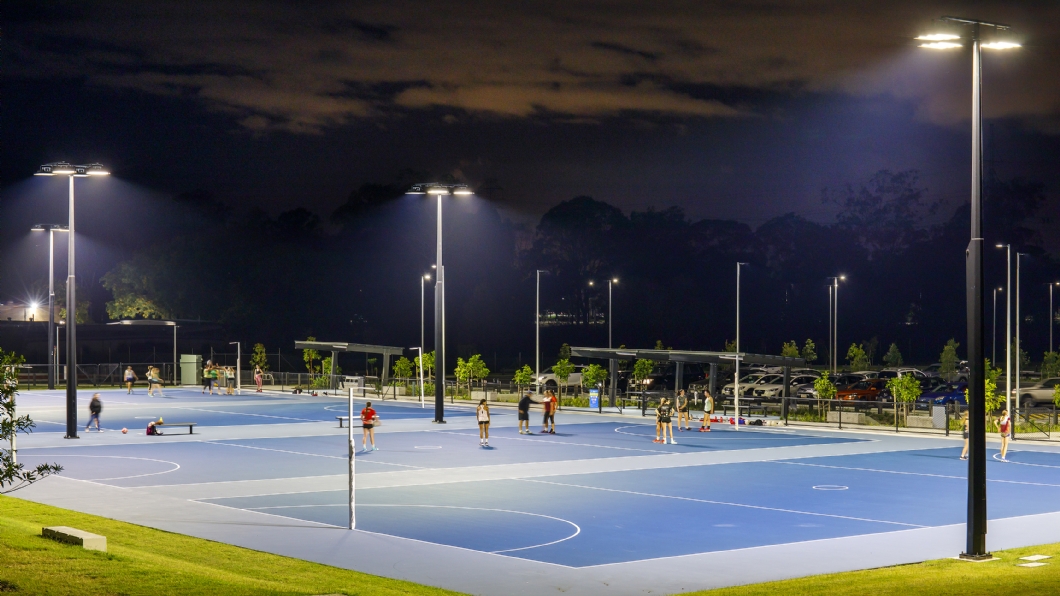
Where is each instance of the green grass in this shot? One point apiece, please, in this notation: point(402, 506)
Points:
point(146, 561)
point(933, 578)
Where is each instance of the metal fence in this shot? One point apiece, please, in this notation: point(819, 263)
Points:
point(97, 375)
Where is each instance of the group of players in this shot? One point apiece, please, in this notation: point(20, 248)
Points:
point(665, 412)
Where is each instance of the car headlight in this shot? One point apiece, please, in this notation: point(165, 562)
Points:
point(647, 381)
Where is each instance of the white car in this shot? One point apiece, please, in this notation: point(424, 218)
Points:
point(548, 380)
point(776, 389)
point(748, 382)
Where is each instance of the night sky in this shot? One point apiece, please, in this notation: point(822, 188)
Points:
point(729, 110)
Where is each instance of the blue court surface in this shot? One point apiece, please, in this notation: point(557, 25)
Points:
point(597, 493)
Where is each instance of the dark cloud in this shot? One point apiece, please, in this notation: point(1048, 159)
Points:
point(305, 67)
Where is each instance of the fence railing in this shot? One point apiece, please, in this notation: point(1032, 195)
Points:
point(97, 375)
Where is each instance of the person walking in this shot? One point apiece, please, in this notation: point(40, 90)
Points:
point(369, 418)
point(1003, 426)
point(708, 410)
point(130, 378)
point(662, 422)
point(524, 414)
point(154, 381)
point(682, 411)
point(257, 377)
point(94, 408)
point(964, 452)
point(482, 413)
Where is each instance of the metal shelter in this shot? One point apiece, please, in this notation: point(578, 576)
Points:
point(680, 357)
point(337, 346)
point(155, 322)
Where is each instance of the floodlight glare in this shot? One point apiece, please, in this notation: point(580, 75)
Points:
point(938, 37)
point(437, 190)
point(33, 305)
point(614, 280)
point(462, 190)
point(96, 170)
point(941, 45)
point(1001, 45)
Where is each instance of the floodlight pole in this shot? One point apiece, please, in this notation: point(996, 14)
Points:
point(1008, 325)
point(1051, 316)
point(71, 326)
point(736, 379)
point(352, 470)
point(51, 309)
point(239, 356)
point(976, 525)
point(439, 328)
point(993, 334)
point(537, 334)
point(1016, 405)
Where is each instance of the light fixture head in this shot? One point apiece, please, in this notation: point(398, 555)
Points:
point(427, 276)
point(1000, 45)
point(51, 169)
point(33, 305)
point(590, 282)
point(843, 278)
point(614, 280)
point(938, 37)
point(49, 227)
point(96, 169)
point(462, 189)
point(941, 45)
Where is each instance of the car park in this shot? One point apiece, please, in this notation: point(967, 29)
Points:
point(548, 379)
point(890, 373)
point(840, 381)
point(933, 370)
point(1038, 394)
point(776, 389)
point(747, 384)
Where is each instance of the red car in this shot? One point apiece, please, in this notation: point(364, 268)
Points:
point(867, 390)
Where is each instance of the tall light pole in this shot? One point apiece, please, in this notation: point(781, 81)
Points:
point(440, 191)
point(1008, 327)
point(736, 378)
point(610, 283)
point(975, 547)
point(1017, 348)
point(65, 169)
point(993, 341)
point(423, 326)
point(1051, 315)
point(537, 334)
point(239, 358)
point(834, 322)
point(52, 360)
point(419, 350)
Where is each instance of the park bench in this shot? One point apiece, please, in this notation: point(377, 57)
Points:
point(342, 419)
point(190, 425)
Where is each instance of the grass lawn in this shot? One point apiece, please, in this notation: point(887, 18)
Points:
point(146, 561)
point(142, 560)
point(934, 578)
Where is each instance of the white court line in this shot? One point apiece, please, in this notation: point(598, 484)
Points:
point(162, 461)
point(346, 458)
point(709, 502)
point(246, 414)
point(577, 530)
point(925, 474)
point(997, 457)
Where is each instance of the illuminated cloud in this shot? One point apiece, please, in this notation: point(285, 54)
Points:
point(305, 67)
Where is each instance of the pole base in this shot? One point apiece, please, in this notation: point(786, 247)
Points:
point(71, 437)
point(437, 421)
point(984, 557)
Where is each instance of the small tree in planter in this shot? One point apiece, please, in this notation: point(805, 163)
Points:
point(428, 365)
point(310, 356)
point(893, 357)
point(478, 370)
point(789, 350)
point(857, 357)
point(641, 370)
point(593, 376)
point(562, 370)
point(523, 377)
point(809, 351)
point(259, 358)
point(403, 369)
point(948, 360)
point(905, 389)
point(825, 390)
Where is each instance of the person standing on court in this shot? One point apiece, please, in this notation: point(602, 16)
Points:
point(130, 378)
point(549, 404)
point(369, 417)
point(662, 422)
point(708, 409)
point(1003, 426)
point(257, 377)
point(94, 408)
point(682, 411)
point(524, 413)
point(482, 413)
point(964, 420)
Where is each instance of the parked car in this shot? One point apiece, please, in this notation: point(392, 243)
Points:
point(549, 381)
point(867, 390)
point(746, 384)
point(777, 389)
point(868, 374)
point(933, 370)
point(947, 393)
point(1038, 394)
point(841, 381)
point(890, 373)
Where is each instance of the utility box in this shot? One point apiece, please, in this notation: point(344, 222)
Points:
point(190, 369)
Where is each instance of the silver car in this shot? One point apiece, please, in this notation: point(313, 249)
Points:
point(1038, 394)
point(776, 388)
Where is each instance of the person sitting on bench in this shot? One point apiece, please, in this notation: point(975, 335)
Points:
point(152, 430)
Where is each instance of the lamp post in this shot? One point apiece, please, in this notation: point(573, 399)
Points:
point(71, 171)
point(1017, 350)
point(1051, 315)
point(736, 378)
point(537, 333)
point(1008, 328)
point(52, 359)
point(423, 326)
point(833, 323)
point(993, 340)
point(439, 190)
point(419, 350)
point(975, 548)
point(239, 358)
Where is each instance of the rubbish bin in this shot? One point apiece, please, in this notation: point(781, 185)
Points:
point(190, 369)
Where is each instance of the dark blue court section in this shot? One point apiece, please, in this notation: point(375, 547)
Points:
point(641, 514)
